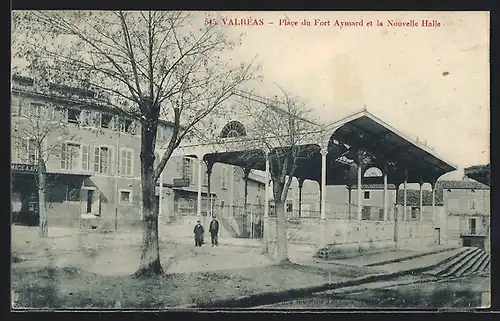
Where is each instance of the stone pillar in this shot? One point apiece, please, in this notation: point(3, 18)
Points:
point(200, 177)
point(360, 197)
point(421, 216)
point(421, 201)
point(434, 202)
point(210, 165)
point(265, 221)
point(324, 152)
point(385, 193)
point(405, 183)
point(301, 184)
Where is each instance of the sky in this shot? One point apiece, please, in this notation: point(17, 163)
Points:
point(429, 83)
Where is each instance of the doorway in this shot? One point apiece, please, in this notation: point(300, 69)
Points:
point(437, 233)
point(90, 201)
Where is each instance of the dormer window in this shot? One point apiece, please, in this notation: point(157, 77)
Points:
point(106, 120)
point(473, 191)
point(73, 116)
point(449, 190)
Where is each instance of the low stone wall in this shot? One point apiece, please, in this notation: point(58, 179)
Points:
point(356, 234)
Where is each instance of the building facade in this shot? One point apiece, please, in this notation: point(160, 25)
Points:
point(467, 206)
point(93, 165)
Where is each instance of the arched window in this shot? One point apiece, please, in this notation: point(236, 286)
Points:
point(233, 129)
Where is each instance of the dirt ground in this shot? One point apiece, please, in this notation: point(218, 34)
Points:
point(94, 271)
point(464, 294)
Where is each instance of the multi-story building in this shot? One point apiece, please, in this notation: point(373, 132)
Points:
point(93, 169)
point(467, 206)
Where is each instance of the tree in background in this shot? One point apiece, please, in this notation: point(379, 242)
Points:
point(285, 128)
point(148, 65)
point(33, 126)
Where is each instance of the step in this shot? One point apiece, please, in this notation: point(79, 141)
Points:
point(446, 264)
point(453, 269)
point(471, 262)
point(475, 268)
point(485, 265)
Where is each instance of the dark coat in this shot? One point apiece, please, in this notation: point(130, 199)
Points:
point(198, 231)
point(214, 227)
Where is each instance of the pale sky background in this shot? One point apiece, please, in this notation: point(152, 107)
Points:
point(397, 72)
point(430, 83)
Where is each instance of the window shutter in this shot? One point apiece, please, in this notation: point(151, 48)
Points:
point(96, 159)
point(129, 163)
point(85, 157)
point(111, 161)
point(63, 156)
point(123, 162)
point(15, 105)
point(180, 172)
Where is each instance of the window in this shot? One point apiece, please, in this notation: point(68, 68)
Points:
point(128, 126)
point(73, 116)
point(26, 150)
point(39, 110)
point(126, 167)
point(60, 114)
point(414, 212)
point(472, 226)
point(85, 118)
point(85, 157)
point(15, 106)
point(70, 156)
point(366, 195)
point(381, 214)
point(366, 213)
point(125, 197)
point(472, 204)
point(102, 159)
point(32, 151)
point(106, 120)
point(258, 200)
point(223, 178)
point(289, 207)
point(72, 193)
point(187, 170)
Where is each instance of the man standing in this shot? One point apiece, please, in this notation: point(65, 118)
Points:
point(214, 230)
point(198, 234)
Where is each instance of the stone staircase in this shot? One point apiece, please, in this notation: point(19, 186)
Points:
point(470, 261)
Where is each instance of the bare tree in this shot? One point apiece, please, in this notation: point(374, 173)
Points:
point(38, 132)
point(285, 129)
point(149, 65)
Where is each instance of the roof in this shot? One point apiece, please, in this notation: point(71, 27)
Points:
point(464, 184)
point(413, 198)
point(65, 93)
point(480, 173)
point(386, 144)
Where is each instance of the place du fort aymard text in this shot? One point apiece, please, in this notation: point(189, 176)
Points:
point(286, 22)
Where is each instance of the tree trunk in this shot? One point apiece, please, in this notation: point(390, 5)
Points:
point(150, 257)
point(281, 242)
point(42, 192)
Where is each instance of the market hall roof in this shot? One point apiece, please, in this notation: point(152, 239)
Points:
point(360, 131)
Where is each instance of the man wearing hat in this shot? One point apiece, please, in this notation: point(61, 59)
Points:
point(214, 230)
point(198, 234)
